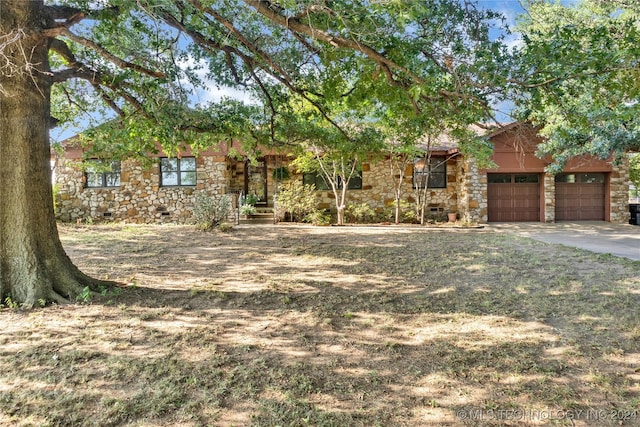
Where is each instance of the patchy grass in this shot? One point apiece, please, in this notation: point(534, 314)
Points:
point(329, 326)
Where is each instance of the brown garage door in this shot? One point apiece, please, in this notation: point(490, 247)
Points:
point(580, 197)
point(513, 197)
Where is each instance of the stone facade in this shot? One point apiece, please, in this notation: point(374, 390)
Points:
point(549, 182)
point(473, 192)
point(619, 194)
point(139, 198)
point(378, 190)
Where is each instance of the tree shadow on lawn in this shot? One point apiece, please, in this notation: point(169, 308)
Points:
point(176, 367)
point(354, 328)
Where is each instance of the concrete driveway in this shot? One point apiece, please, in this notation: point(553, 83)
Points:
point(616, 239)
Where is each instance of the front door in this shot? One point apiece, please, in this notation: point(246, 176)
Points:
point(255, 179)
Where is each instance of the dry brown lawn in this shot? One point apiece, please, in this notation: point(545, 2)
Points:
point(328, 326)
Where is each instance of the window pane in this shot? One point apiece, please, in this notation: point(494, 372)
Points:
point(187, 178)
point(567, 177)
point(169, 178)
point(314, 179)
point(529, 178)
point(419, 176)
point(438, 164)
point(437, 180)
point(308, 179)
point(499, 178)
point(355, 183)
point(438, 172)
point(592, 178)
point(419, 180)
point(320, 183)
point(419, 165)
point(115, 166)
point(94, 179)
point(112, 179)
point(168, 165)
point(188, 164)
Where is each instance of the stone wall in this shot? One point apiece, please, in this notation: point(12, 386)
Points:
point(378, 185)
point(140, 198)
point(549, 182)
point(619, 188)
point(473, 192)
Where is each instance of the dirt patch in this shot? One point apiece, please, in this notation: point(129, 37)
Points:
point(328, 326)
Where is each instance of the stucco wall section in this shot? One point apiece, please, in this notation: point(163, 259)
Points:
point(140, 198)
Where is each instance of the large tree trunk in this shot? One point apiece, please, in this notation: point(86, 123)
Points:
point(33, 265)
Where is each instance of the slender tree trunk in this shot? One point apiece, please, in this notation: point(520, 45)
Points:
point(33, 265)
point(340, 215)
point(398, 162)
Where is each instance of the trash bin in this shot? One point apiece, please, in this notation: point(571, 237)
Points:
point(634, 210)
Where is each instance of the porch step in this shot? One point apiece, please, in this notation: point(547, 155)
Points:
point(263, 215)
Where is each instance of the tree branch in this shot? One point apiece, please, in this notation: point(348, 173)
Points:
point(276, 71)
point(62, 49)
point(61, 12)
point(264, 8)
point(63, 31)
point(108, 100)
point(241, 38)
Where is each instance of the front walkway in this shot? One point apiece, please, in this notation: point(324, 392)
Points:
point(617, 239)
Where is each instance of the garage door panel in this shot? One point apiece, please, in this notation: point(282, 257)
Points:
point(517, 200)
point(580, 197)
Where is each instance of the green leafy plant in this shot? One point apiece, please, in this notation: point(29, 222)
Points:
point(360, 213)
point(56, 193)
point(409, 214)
point(210, 211)
point(84, 296)
point(106, 291)
point(10, 303)
point(318, 217)
point(296, 200)
point(247, 209)
point(634, 172)
point(250, 199)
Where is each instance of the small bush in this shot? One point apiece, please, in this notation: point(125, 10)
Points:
point(360, 213)
point(386, 214)
point(407, 212)
point(210, 211)
point(296, 200)
point(318, 217)
point(249, 199)
point(248, 210)
point(225, 227)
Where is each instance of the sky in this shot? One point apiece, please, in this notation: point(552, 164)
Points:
point(509, 8)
